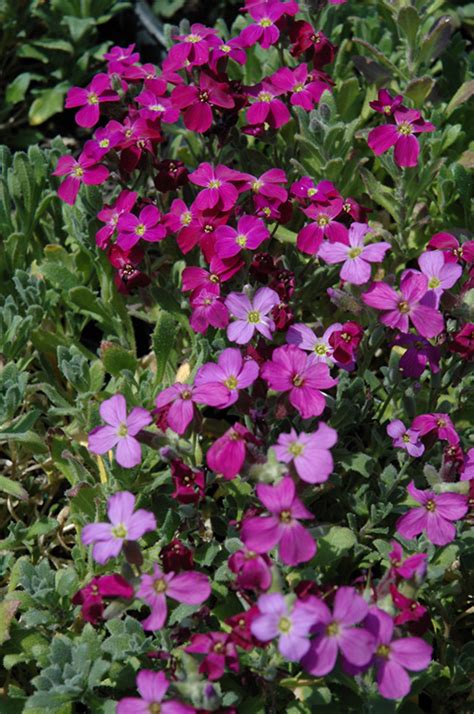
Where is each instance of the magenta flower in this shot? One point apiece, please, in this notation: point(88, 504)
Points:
point(405, 568)
point(336, 631)
point(220, 271)
point(468, 466)
point(189, 587)
point(110, 216)
point(400, 309)
point(84, 170)
point(193, 48)
point(269, 185)
point(253, 569)
point(157, 107)
point(183, 397)
point(386, 104)
point(264, 30)
point(90, 99)
point(91, 596)
point(291, 370)
point(282, 527)
point(309, 452)
point(441, 275)
point(251, 315)
point(208, 309)
point(231, 49)
point(400, 135)
point(290, 626)
point(220, 653)
point(196, 102)
point(145, 226)
point(393, 657)
point(304, 89)
point(231, 371)
point(219, 191)
point(440, 423)
point(356, 256)
point(267, 108)
point(250, 233)
point(119, 431)
point(320, 348)
point(435, 515)
point(305, 190)
point(125, 525)
point(407, 439)
point(152, 687)
point(324, 226)
point(452, 249)
point(226, 456)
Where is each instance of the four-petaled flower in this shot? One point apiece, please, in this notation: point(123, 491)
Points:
point(435, 515)
point(251, 315)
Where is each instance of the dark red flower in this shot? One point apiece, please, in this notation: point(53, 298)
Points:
point(189, 485)
point(176, 556)
point(171, 175)
point(92, 595)
point(462, 342)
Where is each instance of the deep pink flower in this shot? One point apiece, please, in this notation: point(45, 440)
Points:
point(90, 99)
point(400, 135)
point(386, 104)
point(290, 626)
point(157, 107)
point(441, 275)
point(282, 527)
point(125, 525)
point(218, 182)
point(146, 226)
point(183, 397)
point(126, 262)
point(462, 342)
point(111, 214)
point(192, 50)
point(152, 687)
point(264, 30)
point(227, 454)
point(309, 452)
point(241, 634)
point(315, 45)
point(253, 570)
point(439, 423)
point(345, 342)
point(305, 91)
point(119, 431)
point(84, 170)
point(291, 370)
point(319, 347)
point(356, 256)
point(336, 631)
point(208, 309)
point(400, 309)
point(188, 484)
point(405, 568)
point(324, 226)
point(306, 190)
point(231, 371)
point(91, 596)
point(452, 249)
point(251, 315)
point(267, 109)
point(270, 184)
point(250, 233)
point(220, 653)
point(196, 102)
point(419, 354)
point(410, 610)
point(230, 49)
point(171, 174)
point(468, 466)
point(121, 57)
point(195, 279)
point(407, 439)
point(393, 657)
point(435, 515)
point(189, 587)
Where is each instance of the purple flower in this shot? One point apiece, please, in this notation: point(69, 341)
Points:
point(441, 275)
point(438, 422)
point(320, 348)
point(251, 315)
point(250, 233)
point(408, 439)
point(290, 626)
point(152, 687)
point(183, 397)
point(120, 431)
point(400, 309)
point(84, 170)
point(418, 355)
point(282, 527)
point(468, 468)
point(125, 525)
point(231, 371)
point(400, 135)
point(435, 515)
point(90, 98)
point(407, 568)
point(357, 257)
point(146, 226)
point(309, 452)
point(189, 587)
point(393, 657)
point(335, 631)
point(291, 370)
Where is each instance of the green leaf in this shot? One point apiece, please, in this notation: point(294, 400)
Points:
point(380, 194)
point(116, 359)
point(47, 103)
point(7, 613)
point(409, 20)
point(13, 489)
point(463, 94)
point(16, 90)
point(419, 89)
point(163, 339)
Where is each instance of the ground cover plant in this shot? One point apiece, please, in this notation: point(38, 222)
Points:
point(236, 391)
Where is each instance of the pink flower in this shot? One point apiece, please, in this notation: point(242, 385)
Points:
point(305, 190)
point(336, 631)
point(111, 214)
point(386, 104)
point(435, 515)
point(121, 57)
point(157, 107)
point(145, 226)
point(400, 309)
point(400, 135)
point(468, 467)
point(290, 626)
point(324, 226)
point(441, 275)
point(251, 315)
point(452, 249)
point(250, 233)
point(405, 568)
point(265, 30)
point(440, 423)
point(230, 371)
point(393, 657)
point(219, 191)
point(196, 102)
point(183, 397)
point(309, 452)
point(208, 309)
point(356, 256)
point(189, 587)
point(119, 431)
point(411, 610)
point(108, 538)
point(230, 49)
point(91, 597)
point(152, 687)
point(226, 456)
point(220, 271)
point(407, 439)
point(304, 89)
point(90, 99)
point(193, 48)
point(84, 170)
point(269, 185)
point(320, 348)
point(291, 370)
point(267, 108)
point(253, 570)
point(282, 527)
point(220, 653)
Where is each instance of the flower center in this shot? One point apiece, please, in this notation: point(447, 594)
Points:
point(231, 382)
point(192, 38)
point(203, 96)
point(346, 207)
point(322, 220)
point(214, 183)
point(225, 48)
point(78, 172)
point(186, 218)
point(241, 240)
point(413, 606)
point(159, 586)
point(403, 307)
point(315, 38)
point(253, 317)
point(284, 625)
point(265, 22)
point(186, 394)
point(434, 283)
point(321, 349)
point(406, 438)
point(257, 185)
point(218, 647)
point(104, 144)
point(297, 380)
point(213, 278)
point(119, 531)
point(140, 229)
point(405, 128)
point(94, 590)
point(355, 252)
point(298, 87)
point(265, 97)
point(332, 629)
point(208, 228)
point(154, 708)
point(92, 98)
point(430, 506)
point(122, 430)
point(312, 192)
point(383, 651)
point(157, 108)
point(296, 449)
point(441, 423)
point(285, 517)
point(387, 109)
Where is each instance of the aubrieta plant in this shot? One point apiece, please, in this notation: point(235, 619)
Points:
point(278, 492)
